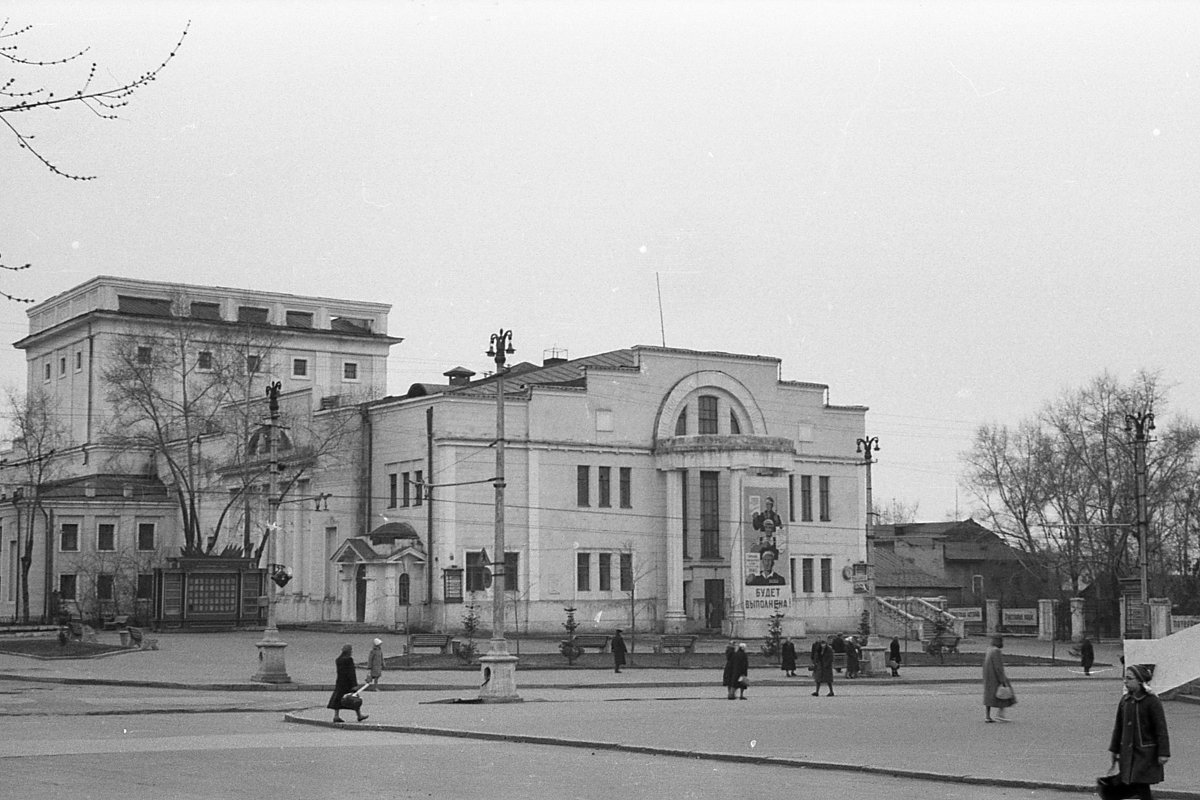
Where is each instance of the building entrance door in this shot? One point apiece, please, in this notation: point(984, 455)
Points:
point(360, 594)
point(714, 603)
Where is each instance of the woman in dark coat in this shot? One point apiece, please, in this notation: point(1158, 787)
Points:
point(787, 658)
point(894, 657)
point(1140, 745)
point(618, 651)
point(853, 651)
point(741, 671)
point(727, 679)
point(346, 683)
point(822, 666)
point(1087, 656)
point(994, 677)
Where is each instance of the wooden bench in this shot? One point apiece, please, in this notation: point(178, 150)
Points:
point(681, 642)
point(115, 621)
point(81, 633)
point(138, 639)
point(596, 640)
point(439, 640)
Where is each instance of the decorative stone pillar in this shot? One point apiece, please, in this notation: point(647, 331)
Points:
point(1077, 621)
point(737, 556)
point(992, 614)
point(1047, 619)
point(676, 616)
point(1160, 617)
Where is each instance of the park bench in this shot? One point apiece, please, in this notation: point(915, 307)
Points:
point(81, 633)
point(439, 640)
point(596, 640)
point(138, 638)
point(676, 642)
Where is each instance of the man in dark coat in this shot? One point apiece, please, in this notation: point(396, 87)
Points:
point(618, 650)
point(894, 657)
point(1087, 655)
point(822, 666)
point(787, 658)
point(346, 683)
point(853, 652)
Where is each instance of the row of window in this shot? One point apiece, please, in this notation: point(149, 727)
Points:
point(806, 498)
point(68, 586)
point(252, 315)
point(708, 416)
point(403, 491)
point(806, 584)
point(604, 572)
point(106, 536)
point(204, 363)
point(604, 486)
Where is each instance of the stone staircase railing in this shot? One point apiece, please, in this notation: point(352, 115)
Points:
point(893, 621)
point(1176, 658)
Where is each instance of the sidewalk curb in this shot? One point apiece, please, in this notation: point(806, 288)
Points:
point(775, 761)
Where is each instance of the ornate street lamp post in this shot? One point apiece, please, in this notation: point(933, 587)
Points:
point(498, 666)
point(271, 664)
point(1138, 424)
point(866, 446)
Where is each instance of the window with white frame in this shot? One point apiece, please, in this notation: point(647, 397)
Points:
point(299, 367)
point(146, 535)
point(349, 370)
point(68, 537)
point(106, 536)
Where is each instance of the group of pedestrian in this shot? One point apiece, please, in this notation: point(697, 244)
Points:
point(347, 694)
point(736, 677)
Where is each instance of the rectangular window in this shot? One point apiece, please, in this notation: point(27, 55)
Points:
point(253, 315)
point(204, 361)
point(626, 572)
point(626, 479)
point(792, 500)
point(62, 366)
point(144, 354)
point(708, 414)
point(683, 511)
point(583, 481)
point(418, 487)
point(977, 585)
point(710, 515)
point(350, 325)
point(78, 360)
point(824, 492)
point(206, 310)
point(806, 498)
point(69, 537)
point(512, 566)
point(806, 575)
point(106, 536)
point(604, 474)
point(145, 536)
point(299, 319)
point(104, 587)
point(66, 587)
point(151, 306)
point(393, 488)
point(253, 364)
point(145, 586)
point(350, 371)
point(46, 371)
point(299, 367)
point(406, 489)
point(583, 572)
point(605, 572)
point(826, 575)
point(475, 571)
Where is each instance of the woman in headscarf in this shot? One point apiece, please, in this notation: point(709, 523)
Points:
point(345, 683)
point(994, 677)
point(1140, 745)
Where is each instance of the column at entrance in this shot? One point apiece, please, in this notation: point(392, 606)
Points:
point(736, 623)
point(676, 617)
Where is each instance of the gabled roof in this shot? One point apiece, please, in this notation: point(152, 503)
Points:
point(353, 551)
point(892, 571)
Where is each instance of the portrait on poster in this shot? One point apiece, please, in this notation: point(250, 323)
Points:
point(765, 537)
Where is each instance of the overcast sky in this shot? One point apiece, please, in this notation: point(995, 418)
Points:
point(950, 212)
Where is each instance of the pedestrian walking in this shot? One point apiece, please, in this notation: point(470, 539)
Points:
point(727, 677)
point(1139, 745)
point(997, 691)
point(894, 657)
point(741, 670)
point(375, 664)
point(838, 643)
point(618, 651)
point(345, 683)
point(787, 657)
point(822, 666)
point(1087, 655)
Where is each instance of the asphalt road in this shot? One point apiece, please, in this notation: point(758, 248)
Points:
point(201, 756)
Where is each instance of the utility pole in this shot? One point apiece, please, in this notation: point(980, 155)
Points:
point(866, 446)
point(271, 664)
point(1139, 424)
point(498, 666)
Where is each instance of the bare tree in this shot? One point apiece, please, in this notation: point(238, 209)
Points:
point(39, 440)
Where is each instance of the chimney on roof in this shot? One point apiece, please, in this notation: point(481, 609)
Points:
point(459, 376)
point(554, 356)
